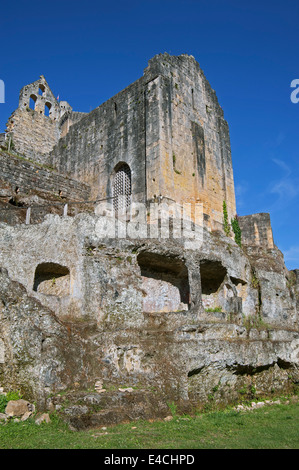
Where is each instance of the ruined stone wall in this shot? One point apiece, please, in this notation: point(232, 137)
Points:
point(257, 230)
point(43, 99)
point(275, 284)
point(27, 176)
point(112, 133)
point(33, 134)
point(39, 121)
point(68, 119)
point(33, 126)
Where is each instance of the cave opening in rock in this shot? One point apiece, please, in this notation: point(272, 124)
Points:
point(52, 279)
point(165, 283)
point(212, 275)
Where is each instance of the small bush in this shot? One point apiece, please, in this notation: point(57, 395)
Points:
point(255, 281)
point(215, 309)
point(4, 399)
point(237, 231)
point(173, 409)
point(13, 395)
point(3, 403)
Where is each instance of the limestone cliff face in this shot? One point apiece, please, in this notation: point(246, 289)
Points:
point(142, 312)
point(37, 351)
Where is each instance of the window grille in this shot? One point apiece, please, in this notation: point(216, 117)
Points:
point(122, 189)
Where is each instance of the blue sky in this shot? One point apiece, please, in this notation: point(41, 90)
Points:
point(248, 50)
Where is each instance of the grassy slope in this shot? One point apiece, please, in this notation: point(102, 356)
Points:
point(272, 427)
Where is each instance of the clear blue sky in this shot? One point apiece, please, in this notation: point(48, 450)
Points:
point(90, 50)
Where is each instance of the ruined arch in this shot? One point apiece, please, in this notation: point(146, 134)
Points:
point(41, 89)
point(32, 101)
point(48, 107)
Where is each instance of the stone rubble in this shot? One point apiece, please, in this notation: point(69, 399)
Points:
point(42, 418)
point(98, 386)
point(20, 410)
point(255, 405)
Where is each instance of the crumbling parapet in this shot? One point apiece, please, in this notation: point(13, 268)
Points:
point(39, 97)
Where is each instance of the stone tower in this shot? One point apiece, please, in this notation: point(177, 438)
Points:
point(165, 135)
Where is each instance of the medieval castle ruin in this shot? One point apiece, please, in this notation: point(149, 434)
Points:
point(126, 279)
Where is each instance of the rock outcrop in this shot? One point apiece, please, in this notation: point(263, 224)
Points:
point(85, 315)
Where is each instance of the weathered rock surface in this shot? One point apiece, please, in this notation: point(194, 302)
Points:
point(100, 338)
point(42, 418)
point(38, 351)
point(18, 408)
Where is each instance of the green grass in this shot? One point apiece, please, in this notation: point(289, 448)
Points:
point(270, 427)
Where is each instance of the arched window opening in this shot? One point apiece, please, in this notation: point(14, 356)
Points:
point(122, 188)
point(48, 109)
point(41, 89)
point(52, 279)
point(32, 102)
